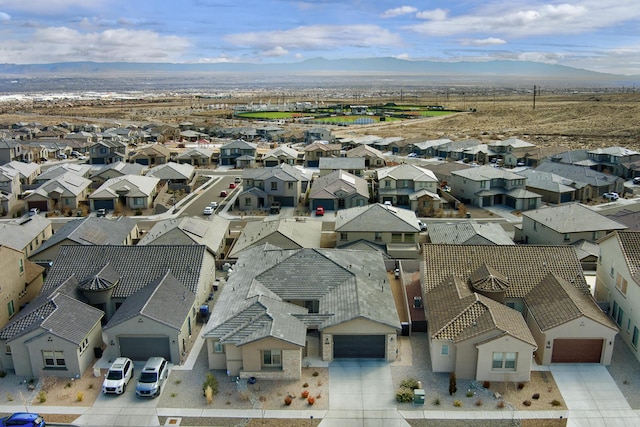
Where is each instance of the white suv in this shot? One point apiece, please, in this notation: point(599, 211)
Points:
point(120, 373)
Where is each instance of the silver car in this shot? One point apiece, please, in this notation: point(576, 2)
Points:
point(152, 377)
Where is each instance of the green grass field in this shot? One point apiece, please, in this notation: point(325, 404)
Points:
point(269, 115)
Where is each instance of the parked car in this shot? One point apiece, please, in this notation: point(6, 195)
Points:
point(412, 155)
point(611, 196)
point(213, 205)
point(208, 210)
point(153, 376)
point(319, 211)
point(388, 203)
point(636, 180)
point(101, 213)
point(275, 208)
point(76, 153)
point(43, 159)
point(34, 211)
point(118, 376)
point(223, 193)
point(23, 419)
point(422, 225)
point(62, 156)
point(237, 180)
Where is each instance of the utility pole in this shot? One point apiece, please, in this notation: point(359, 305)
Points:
point(534, 97)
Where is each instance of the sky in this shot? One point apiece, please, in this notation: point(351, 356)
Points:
point(597, 35)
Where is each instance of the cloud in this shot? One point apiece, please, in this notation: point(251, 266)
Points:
point(433, 15)
point(59, 44)
point(518, 20)
point(398, 11)
point(4, 17)
point(405, 56)
point(49, 7)
point(275, 52)
point(317, 37)
point(490, 41)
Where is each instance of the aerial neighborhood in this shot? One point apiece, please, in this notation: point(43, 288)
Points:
point(275, 248)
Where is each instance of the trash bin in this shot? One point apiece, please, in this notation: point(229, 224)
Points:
point(418, 396)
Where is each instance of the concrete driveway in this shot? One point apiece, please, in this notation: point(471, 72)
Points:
point(592, 396)
point(361, 394)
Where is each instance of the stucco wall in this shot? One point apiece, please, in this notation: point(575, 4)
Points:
point(360, 327)
point(440, 362)
point(505, 343)
point(252, 359)
point(148, 327)
point(13, 281)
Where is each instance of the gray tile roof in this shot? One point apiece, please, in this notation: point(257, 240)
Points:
point(137, 265)
point(467, 233)
point(172, 170)
point(136, 186)
point(547, 181)
point(165, 300)
point(348, 285)
point(554, 302)
point(326, 187)
point(572, 218)
point(188, 231)
point(377, 217)
point(483, 173)
point(341, 163)
point(579, 175)
point(283, 233)
point(68, 184)
point(523, 265)
point(407, 171)
point(283, 172)
point(91, 231)
point(121, 167)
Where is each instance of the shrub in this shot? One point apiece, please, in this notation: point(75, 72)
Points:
point(208, 392)
point(68, 384)
point(178, 381)
point(479, 402)
point(410, 383)
point(3, 374)
point(486, 384)
point(9, 397)
point(174, 394)
point(404, 395)
point(210, 381)
point(500, 404)
point(436, 401)
point(311, 400)
point(527, 403)
point(80, 396)
point(536, 396)
point(305, 385)
point(469, 393)
point(520, 386)
point(315, 373)
point(304, 394)
point(138, 212)
point(42, 396)
point(452, 384)
point(457, 403)
point(556, 402)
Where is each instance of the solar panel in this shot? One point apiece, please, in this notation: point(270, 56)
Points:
point(94, 236)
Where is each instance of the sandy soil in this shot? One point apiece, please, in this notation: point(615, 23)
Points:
point(541, 383)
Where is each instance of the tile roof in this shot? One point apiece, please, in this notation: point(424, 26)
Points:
point(171, 170)
point(341, 163)
point(629, 242)
point(284, 233)
point(19, 233)
point(579, 175)
point(523, 265)
point(554, 302)
point(467, 233)
point(484, 173)
point(283, 172)
point(347, 284)
point(377, 217)
point(135, 185)
point(326, 186)
point(407, 171)
point(165, 300)
point(572, 218)
point(188, 231)
point(137, 265)
point(69, 184)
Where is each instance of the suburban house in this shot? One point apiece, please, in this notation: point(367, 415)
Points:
point(396, 184)
point(81, 170)
point(338, 190)
point(353, 165)
point(468, 232)
point(487, 186)
point(392, 144)
point(86, 231)
point(198, 157)
point(428, 148)
point(553, 188)
point(286, 233)
point(149, 294)
point(589, 184)
point(21, 282)
point(373, 158)
point(564, 225)
point(231, 151)
point(320, 149)
point(11, 150)
point(512, 151)
point(177, 176)
point(65, 192)
point(132, 191)
point(27, 172)
point(269, 133)
point(618, 283)
point(190, 231)
point(10, 189)
point(539, 288)
point(26, 234)
point(151, 155)
point(612, 160)
point(115, 170)
point(317, 134)
point(261, 187)
point(277, 302)
point(280, 154)
point(106, 152)
point(393, 228)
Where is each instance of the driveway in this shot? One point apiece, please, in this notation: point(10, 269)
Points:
point(361, 394)
point(592, 396)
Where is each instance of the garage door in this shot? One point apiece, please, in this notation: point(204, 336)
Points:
point(42, 205)
point(142, 348)
point(285, 201)
point(103, 204)
point(359, 346)
point(576, 351)
point(326, 204)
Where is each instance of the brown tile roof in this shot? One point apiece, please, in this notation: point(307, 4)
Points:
point(488, 279)
point(524, 266)
point(630, 245)
point(454, 313)
point(554, 301)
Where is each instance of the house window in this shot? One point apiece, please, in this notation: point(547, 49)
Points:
point(290, 185)
point(83, 345)
point(535, 225)
point(10, 308)
point(396, 237)
point(343, 236)
point(138, 201)
point(405, 183)
point(620, 316)
point(614, 312)
point(634, 338)
point(53, 359)
point(505, 361)
point(410, 238)
point(21, 265)
point(271, 358)
point(445, 350)
point(312, 305)
point(7, 349)
point(594, 236)
point(621, 284)
point(274, 186)
point(378, 236)
point(611, 272)
point(387, 183)
point(67, 202)
point(218, 347)
point(247, 201)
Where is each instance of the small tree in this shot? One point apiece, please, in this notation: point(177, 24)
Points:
point(452, 384)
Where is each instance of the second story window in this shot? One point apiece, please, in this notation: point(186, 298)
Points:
point(274, 186)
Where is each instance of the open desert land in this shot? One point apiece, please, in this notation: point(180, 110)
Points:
point(571, 120)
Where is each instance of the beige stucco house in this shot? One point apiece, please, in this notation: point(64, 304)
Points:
point(21, 282)
point(277, 301)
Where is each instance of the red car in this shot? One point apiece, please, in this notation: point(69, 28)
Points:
point(232, 185)
point(223, 193)
point(319, 211)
